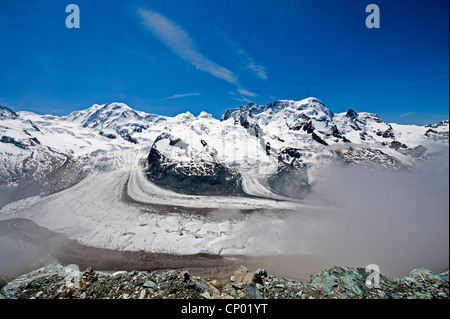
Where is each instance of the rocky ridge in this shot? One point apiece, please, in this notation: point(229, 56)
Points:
point(59, 282)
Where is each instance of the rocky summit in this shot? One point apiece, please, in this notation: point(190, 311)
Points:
point(58, 282)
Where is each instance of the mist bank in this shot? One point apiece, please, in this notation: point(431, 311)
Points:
point(398, 220)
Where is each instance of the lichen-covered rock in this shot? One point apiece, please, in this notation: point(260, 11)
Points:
point(57, 281)
point(346, 282)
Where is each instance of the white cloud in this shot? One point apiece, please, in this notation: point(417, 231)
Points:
point(177, 96)
point(246, 92)
point(241, 99)
point(249, 64)
point(407, 114)
point(181, 44)
point(246, 61)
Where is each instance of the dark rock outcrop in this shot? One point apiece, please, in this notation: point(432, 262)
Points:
point(368, 158)
point(7, 113)
point(197, 176)
point(291, 178)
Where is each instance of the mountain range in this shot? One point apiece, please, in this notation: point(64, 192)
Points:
point(269, 151)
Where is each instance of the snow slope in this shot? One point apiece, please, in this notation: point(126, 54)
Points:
point(117, 206)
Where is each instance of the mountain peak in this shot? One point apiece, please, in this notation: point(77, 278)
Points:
point(204, 115)
point(6, 112)
point(351, 114)
point(185, 116)
point(313, 100)
point(311, 107)
point(103, 115)
point(117, 106)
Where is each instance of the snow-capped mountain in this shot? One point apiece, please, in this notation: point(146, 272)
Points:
point(270, 151)
point(313, 117)
point(116, 178)
point(438, 132)
point(29, 167)
point(312, 129)
point(113, 120)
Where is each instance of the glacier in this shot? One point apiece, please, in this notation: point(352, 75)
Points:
point(88, 175)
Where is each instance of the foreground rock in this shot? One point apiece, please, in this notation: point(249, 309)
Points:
point(59, 282)
point(4, 280)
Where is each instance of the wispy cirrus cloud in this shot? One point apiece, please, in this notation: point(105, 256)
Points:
point(181, 44)
point(407, 114)
point(241, 99)
point(245, 59)
point(246, 92)
point(177, 96)
point(249, 64)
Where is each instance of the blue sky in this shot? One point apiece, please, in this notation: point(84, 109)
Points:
point(167, 57)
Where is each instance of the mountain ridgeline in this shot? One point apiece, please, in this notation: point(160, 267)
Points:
point(271, 151)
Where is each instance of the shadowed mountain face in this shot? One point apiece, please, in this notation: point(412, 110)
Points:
point(201, 174)
point(291, 178)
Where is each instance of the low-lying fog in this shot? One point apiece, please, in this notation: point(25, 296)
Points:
point(396, 220)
